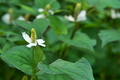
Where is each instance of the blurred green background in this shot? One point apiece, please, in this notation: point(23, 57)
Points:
point(100, 31)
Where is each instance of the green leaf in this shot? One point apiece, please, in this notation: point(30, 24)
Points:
point(74, 1)
point(21, 58)
point(26, 9)
point(80, 40)
point(54, 77)
point(80, 70)
point(108, 36)
point(101, 4)
point(54, 5)
point(39, 55)
point(58, 26)
point(40, 25)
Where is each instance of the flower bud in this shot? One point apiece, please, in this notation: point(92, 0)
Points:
point(33, 35)
point(77, 10)
point(25, 78)
point(47, 7)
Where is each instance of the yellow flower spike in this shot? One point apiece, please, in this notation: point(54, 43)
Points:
point(33, 35)
point(77, 9)
point(32, 40)
point(25, 78)
point(47, 7)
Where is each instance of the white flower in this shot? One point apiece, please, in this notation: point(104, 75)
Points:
point(21, 18)
point(50, 11)
point(42, 15)
point(37, 41)
point(114, 15)
point(6, 18)
point(81, 17)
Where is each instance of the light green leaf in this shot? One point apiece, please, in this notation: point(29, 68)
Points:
point(108, 36)
point(58, 26)
point(80, 70)
point(40, 25)
point(80, 40)
point(21, 58)
point(54, 5)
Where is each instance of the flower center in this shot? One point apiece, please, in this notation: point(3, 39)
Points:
point(33, 35)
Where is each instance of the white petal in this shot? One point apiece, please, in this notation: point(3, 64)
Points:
point(81, 16)
point(51, 12)
point(21, 18)
point(31, 44)
point(6, 18)
point(40, 42)
point(40, 16)
point(41, 9)
point(70, 18)
point(113, 14)
point(26, 37)
point(118, 15)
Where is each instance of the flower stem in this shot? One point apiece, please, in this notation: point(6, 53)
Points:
point(33, 76)
point(63, 52)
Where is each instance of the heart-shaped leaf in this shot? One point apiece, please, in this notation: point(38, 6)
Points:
point(21, 58)
point(80, 70)
point(39, 25)
point(108, 36)
point(80, 40)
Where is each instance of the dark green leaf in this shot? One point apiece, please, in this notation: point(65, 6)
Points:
point(108, 36)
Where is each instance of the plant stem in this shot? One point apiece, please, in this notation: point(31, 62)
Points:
point(33, 77)
point(63, 52)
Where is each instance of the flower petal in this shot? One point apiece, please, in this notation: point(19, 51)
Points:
point(41, 9)
point(51, 12)
point(6, 18)
point(26, 37)
point(40, 42)
point(70, 18)
point(113, 14)
point(40, 16)
point(81, 16)
point(21, 18)
point(31, 44)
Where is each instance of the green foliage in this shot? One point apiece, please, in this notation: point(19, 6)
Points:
point(80, 40)
point(54, 5)
point(59, 29)
point(109, 35)
point(20, 57)
point(64, 49)
point(73, 70)
point(39, 25)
